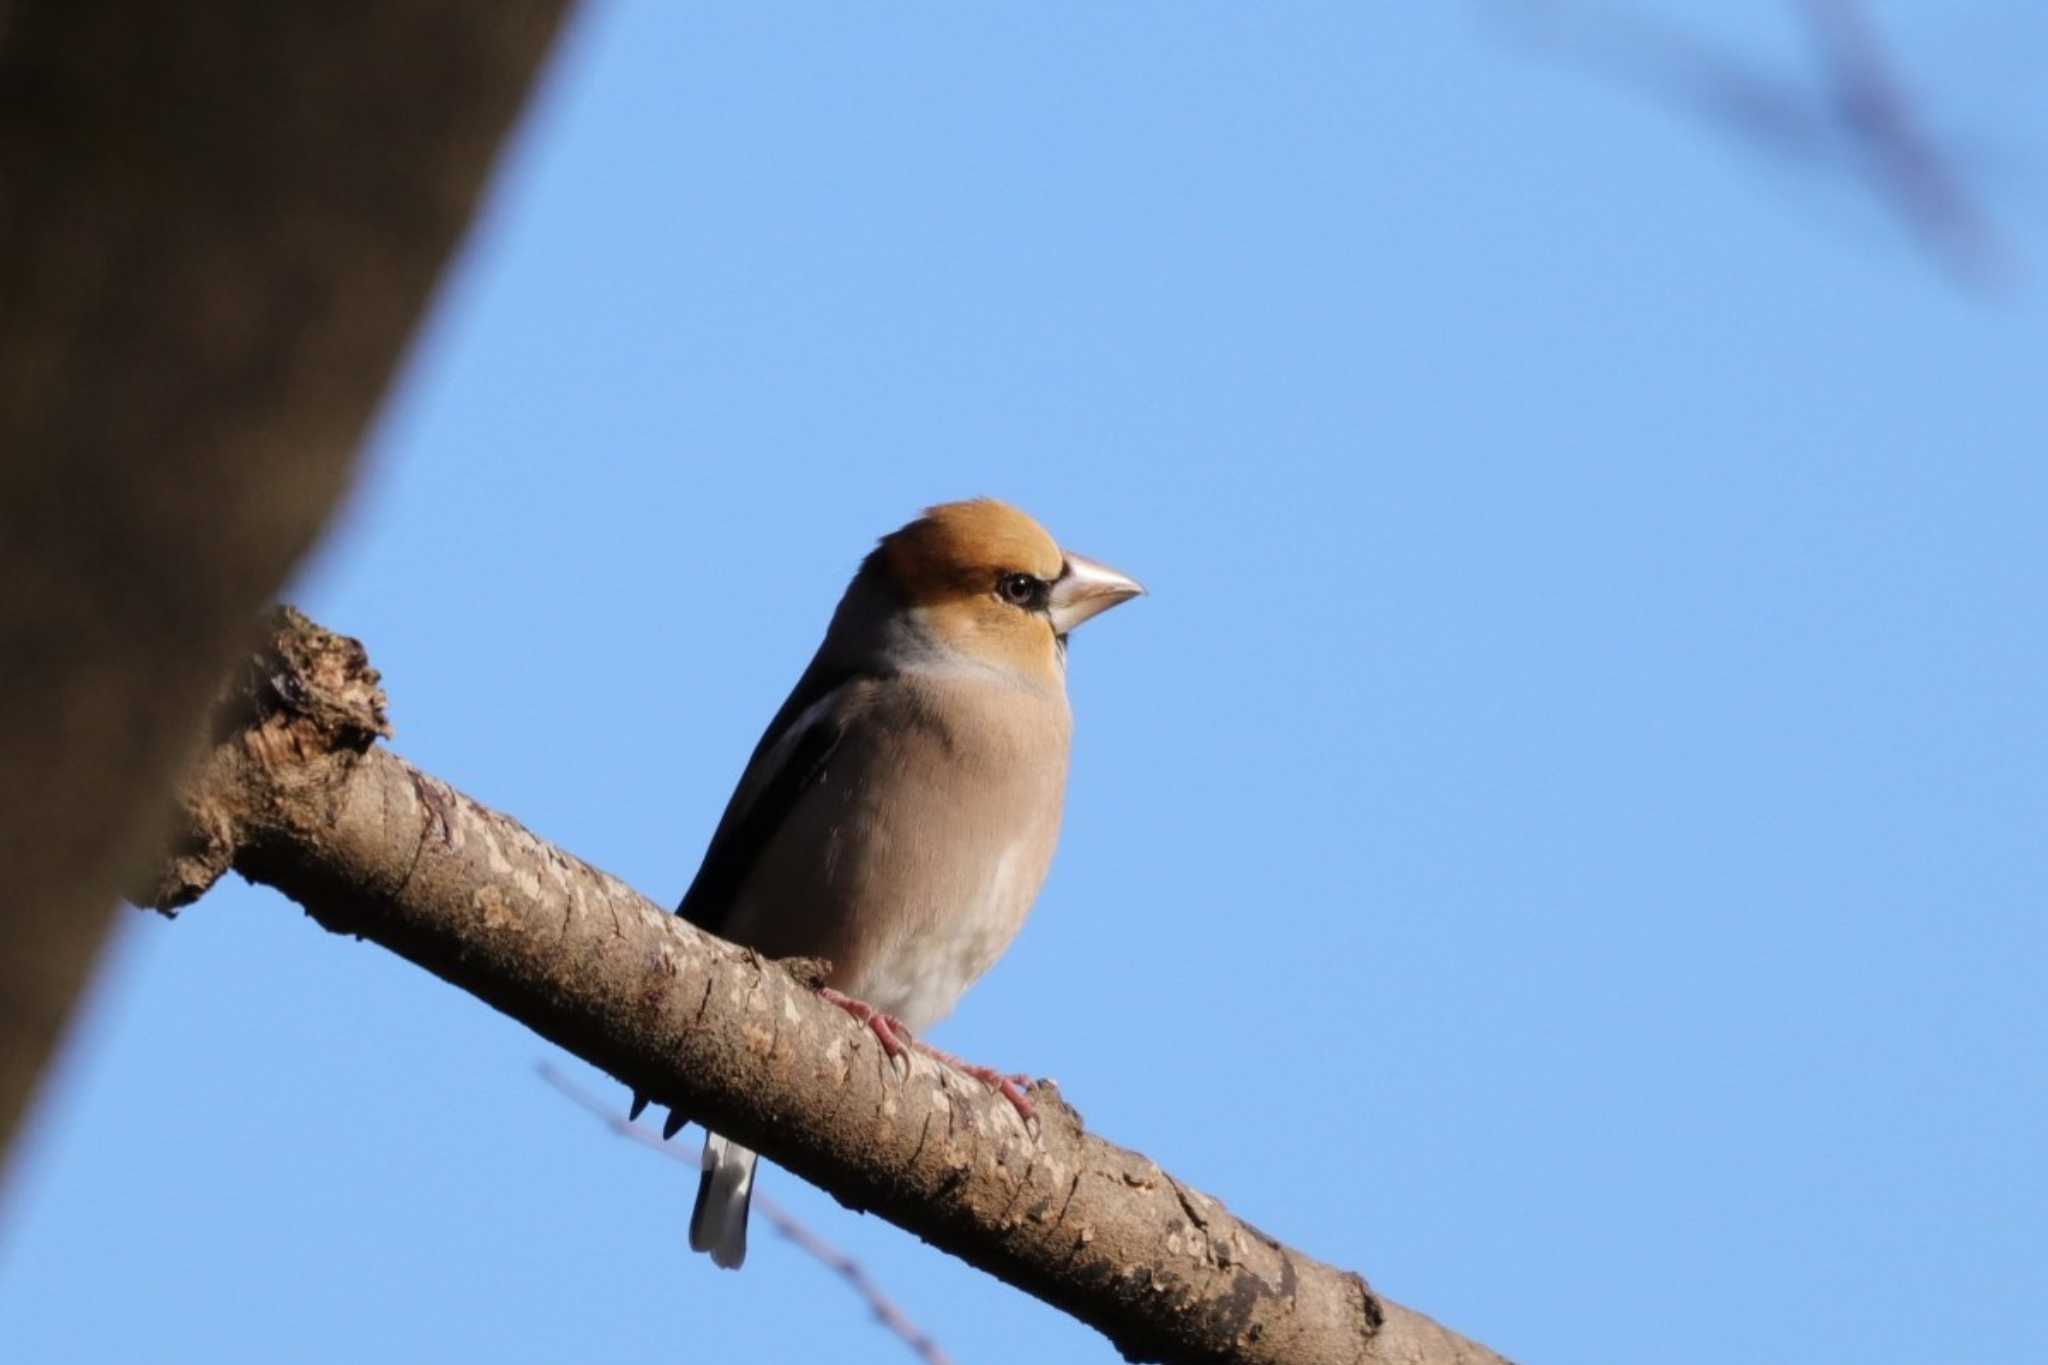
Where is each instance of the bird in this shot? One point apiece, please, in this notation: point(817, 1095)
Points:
point(899, 814)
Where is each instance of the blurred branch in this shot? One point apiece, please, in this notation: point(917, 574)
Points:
point(1858, 112)
point(218, 226)
point(1905, 167)
point(296, 794)
point(782, 1220)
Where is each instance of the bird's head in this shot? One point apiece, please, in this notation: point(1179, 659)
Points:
point(987, 581)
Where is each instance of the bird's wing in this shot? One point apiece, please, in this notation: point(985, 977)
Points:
point(786, 763)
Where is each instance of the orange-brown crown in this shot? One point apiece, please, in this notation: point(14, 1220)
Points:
point(949, 563)
point(960, 549)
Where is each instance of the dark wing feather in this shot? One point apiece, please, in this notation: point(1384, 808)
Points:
point(750, 822)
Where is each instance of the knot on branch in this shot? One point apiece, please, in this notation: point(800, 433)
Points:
point(299, 711)
point(310, 680)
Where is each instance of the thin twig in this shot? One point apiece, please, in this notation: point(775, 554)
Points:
point(779, 1218)
point(1873, 104)
point(1858, 111)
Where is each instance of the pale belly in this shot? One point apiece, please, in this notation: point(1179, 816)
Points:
point(919, 973)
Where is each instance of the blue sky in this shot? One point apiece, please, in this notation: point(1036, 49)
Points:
point(1565, 836)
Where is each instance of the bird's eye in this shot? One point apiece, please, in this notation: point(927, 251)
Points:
point(1020, 590)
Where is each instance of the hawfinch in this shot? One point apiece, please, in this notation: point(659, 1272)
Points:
point(899, 814)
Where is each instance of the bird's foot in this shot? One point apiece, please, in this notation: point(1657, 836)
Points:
point(1010, 1086)
point(895, 1037)
point(897, 1042)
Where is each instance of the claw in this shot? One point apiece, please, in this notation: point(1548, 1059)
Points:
point(673, 1124)
point(897, 1043)
point(638, 1108)
point(895, 1038)
point(1010, 1087)
point(1007, 1087)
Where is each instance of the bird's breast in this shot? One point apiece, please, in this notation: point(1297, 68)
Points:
point(914, 859)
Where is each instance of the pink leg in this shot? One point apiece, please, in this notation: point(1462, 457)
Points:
point(1010, 1087)
point(896, 1040)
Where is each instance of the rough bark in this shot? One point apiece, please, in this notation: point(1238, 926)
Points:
point(297, 794)
point(219, 223)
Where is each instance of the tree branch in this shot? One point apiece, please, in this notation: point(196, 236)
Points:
point(295, 794)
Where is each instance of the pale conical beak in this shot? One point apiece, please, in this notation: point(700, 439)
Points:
point(1086, 588)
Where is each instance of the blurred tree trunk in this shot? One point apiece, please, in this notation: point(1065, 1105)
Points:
point(219, 223)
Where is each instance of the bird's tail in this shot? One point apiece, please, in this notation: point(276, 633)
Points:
point(719, 1222)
